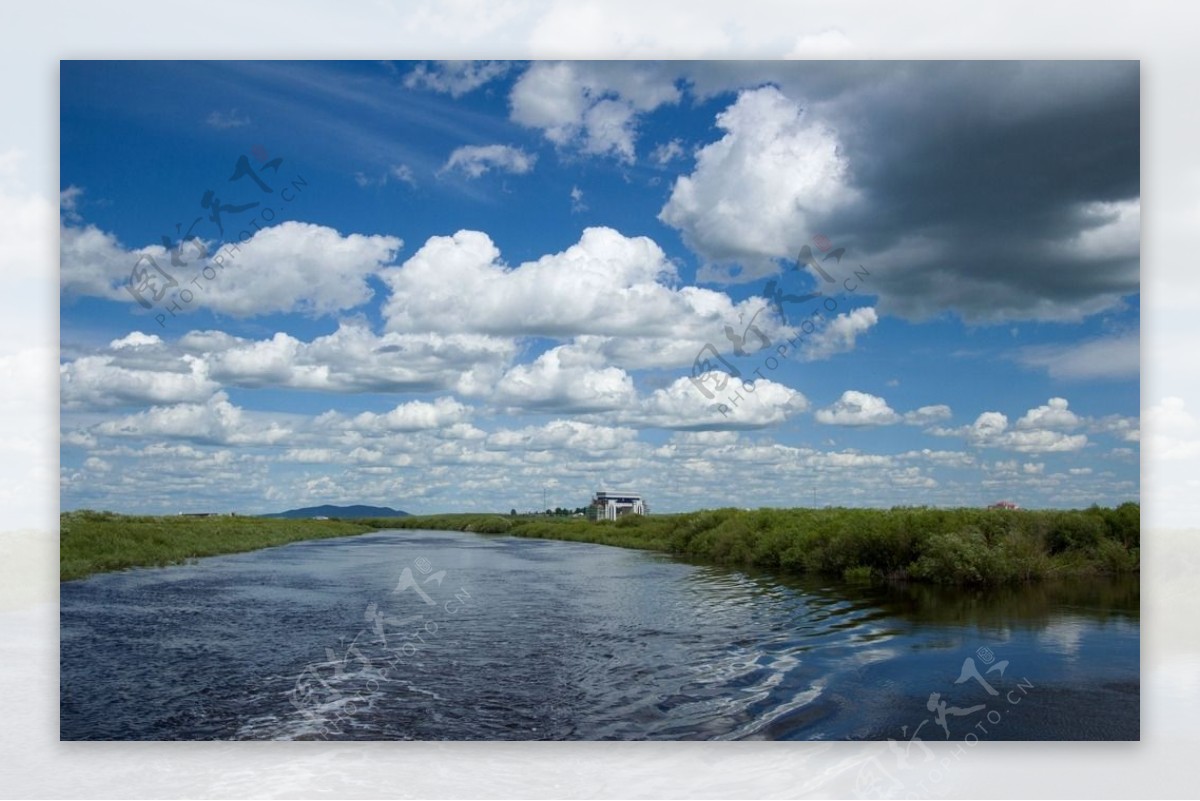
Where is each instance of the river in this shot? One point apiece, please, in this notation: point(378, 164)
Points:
point(445, 635)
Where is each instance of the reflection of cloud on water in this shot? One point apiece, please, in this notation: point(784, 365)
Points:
point(871, 656)
point(1063, 636)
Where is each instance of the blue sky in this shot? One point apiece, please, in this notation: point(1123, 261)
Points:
point(472, 282)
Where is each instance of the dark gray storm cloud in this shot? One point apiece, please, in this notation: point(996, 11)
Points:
point(993, 190)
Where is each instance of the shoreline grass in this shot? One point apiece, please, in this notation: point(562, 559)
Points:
point(940, 546)
point(100, 542)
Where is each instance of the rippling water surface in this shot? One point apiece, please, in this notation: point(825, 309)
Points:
point(447, 635)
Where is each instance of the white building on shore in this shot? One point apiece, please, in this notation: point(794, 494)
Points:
point(610, 505)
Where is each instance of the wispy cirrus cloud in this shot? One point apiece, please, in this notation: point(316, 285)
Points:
point(455, 78)
point(224, 120)
point(1114, 357)
point(475, 160)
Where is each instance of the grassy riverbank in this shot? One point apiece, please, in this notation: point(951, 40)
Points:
point(96, 542)
point(945, 546)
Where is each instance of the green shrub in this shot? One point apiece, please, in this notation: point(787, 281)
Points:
point(949, 546)
point(1020, 556)
point(1075, 531)
point(1116, 558)
point(857, 575)
point(490, 525)
point(1125, 524)
point(954, 559)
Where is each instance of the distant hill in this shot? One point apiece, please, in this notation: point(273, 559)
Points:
point(341, 512)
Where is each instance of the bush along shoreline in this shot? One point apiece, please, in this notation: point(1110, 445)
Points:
point(942, 546)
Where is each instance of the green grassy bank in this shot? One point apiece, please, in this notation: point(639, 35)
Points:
point(945, 546)
point(96, 542)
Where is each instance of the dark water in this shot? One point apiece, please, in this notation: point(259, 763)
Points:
point(503, 638)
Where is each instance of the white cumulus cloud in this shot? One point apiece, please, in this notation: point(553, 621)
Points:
point(96, 381)
point(289, 267)
point(564, 379)
point(607, 284)
point(733, 405)
point(1053, 415)
point(562, 435)
point(757, 193)
point(590, 106)
point(840, 334)
point(414, 415)
point(1040, 430)
point(215, 421)
point(857, 409)
point(355, 359)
